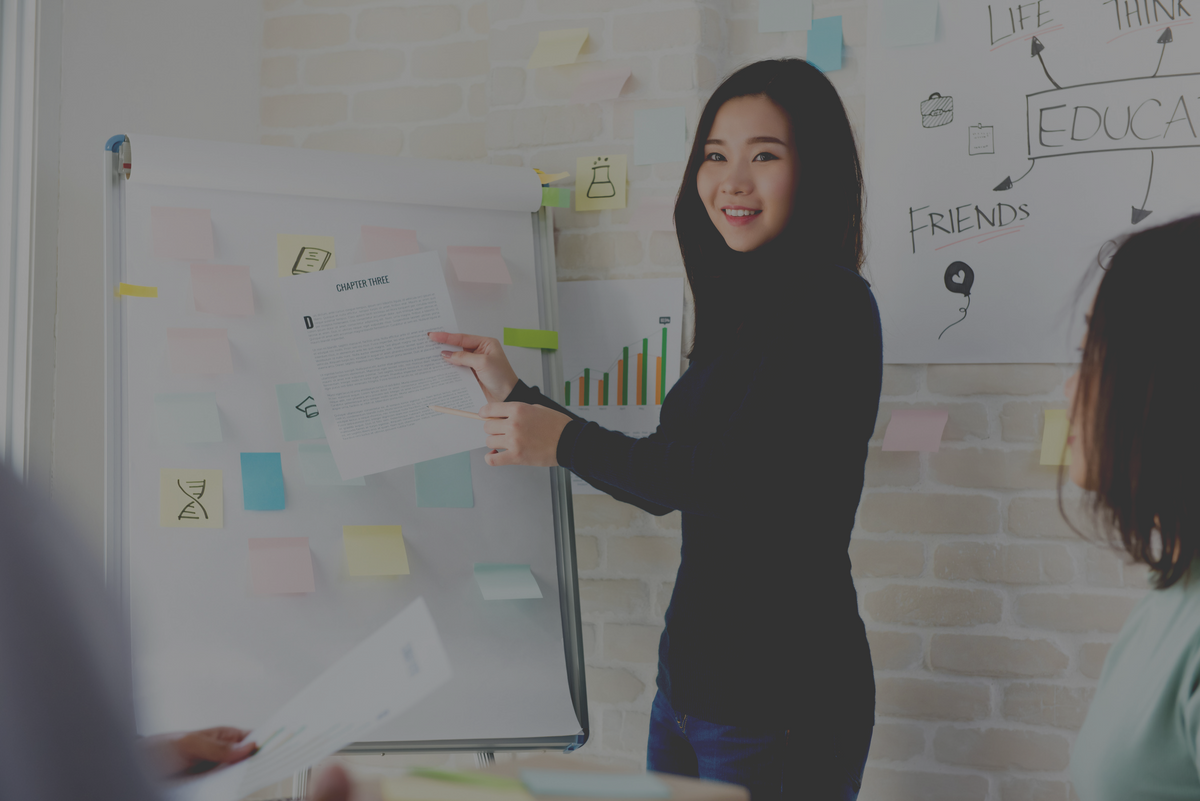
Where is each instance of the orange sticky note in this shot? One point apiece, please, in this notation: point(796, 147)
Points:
point(181, 233)
point(379, 243)
point(280, 565)
point(478, 264)
point(199, 351)
point(915, 430)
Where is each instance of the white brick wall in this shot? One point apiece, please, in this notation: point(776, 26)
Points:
point(988, 618)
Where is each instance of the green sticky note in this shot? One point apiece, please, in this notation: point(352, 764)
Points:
point(319, 469)
point(499, 582)
point(531, 338)
point(186, 418)
point(445, 482)
point(557, 196)
point(298, 412)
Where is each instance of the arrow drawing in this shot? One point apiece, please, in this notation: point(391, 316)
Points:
point(1142, 213)
point(1036, 48)
point(1008, 182)
point(1163, 40)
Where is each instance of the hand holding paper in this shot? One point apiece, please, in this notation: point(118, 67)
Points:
point(485, 356)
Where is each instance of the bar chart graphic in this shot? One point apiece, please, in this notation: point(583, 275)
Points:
point(620, 342)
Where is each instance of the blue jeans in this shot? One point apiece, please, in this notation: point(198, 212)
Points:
point(772, 764)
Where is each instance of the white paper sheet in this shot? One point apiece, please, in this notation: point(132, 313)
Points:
point(382, 676)
point(361, 332)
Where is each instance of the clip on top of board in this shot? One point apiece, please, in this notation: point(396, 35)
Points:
point(120, 144)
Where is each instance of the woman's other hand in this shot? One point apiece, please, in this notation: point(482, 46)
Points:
point(198, 751)
point(527, 434)
point(485, 356)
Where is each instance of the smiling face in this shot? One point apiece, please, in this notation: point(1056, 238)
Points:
point(747, 180)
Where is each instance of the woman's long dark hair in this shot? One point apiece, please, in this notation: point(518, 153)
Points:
point(826, 226)
point(1137, 392)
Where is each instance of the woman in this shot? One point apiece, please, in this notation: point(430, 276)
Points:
point(764, 675)
point(1133, 448)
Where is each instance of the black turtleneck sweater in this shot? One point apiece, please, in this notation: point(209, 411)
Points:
point(761, 444)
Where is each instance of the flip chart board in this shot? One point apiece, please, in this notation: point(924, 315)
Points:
point(246, 563)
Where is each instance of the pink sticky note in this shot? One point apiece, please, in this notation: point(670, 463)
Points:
point(478, 264)
point(222, 289)
point(915, 430)
point(655, 214)
point(201, 351)
point(600, 85)
point(280, 565)
point(181, 233)
point(386, 243)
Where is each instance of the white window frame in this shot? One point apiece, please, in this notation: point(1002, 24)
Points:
point(18, 37)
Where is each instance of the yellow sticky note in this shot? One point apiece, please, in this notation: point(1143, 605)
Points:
point(557, 47)
point(375, 551)
point(300, 253)
point(549, 178)
point(135, 291)
point(417, 787)
point(600, 182)
point(1054, 438)
point(190, 498)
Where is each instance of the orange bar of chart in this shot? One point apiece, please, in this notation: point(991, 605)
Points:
point(658, 376)
point(581, 395)
point(638, 397)
point(600, 394)
point(620, 374)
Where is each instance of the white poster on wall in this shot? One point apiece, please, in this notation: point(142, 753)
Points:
point(1003, 157)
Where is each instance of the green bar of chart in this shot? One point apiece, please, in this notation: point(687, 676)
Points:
point(567, 394)
point(604, 390)
point(662, 370)
point(587, 386)
point(645, 364)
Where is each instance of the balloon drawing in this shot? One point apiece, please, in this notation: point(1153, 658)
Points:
point(958, 279)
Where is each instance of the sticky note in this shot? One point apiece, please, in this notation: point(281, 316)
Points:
point(600, 182)
point(280, 565)
point(825, 44)
point(549, 178)
point(318, 468)
point(599, 85)
point(659, 135)
point(186, 418)
point(223, 289)
point(135, 291)
point(531, 338)
point(445, 482)
point(499, 582)
point(1054, 438)
point(386, 243)
point(578, 783)
point(777, 16)
point(557, 47)
point(190, 498)
point(654, 214)
point(262, 482)
point(298, 413)
point(299, 254)
point(909, 22)
point(915, 430)
point(482, 265)
point(557, 196)
point(199, 351)
point(418, 784)
point(181, 233)
point(375, 551)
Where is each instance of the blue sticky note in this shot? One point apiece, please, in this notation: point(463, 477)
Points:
point(445, 482)
point(262, 482)
point(577, 783)
point(501, 582)
point(186, 418)
point(777, 16)
point(298, 412)
point(319, 469)
point(659, 135)
point(909, 22)
point(825, 44)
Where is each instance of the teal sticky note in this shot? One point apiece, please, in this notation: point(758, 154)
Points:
point(825, 44)
point(445, 482)
point(909, 22)
point(318, 468)
point(186, 418)
point(262, 482)
point(557, 196)
point(659, 135)
point(777, 16)
point(501, 582)
point(298, 412)
point(578, 783)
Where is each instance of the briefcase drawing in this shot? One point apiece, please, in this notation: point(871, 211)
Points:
point(937, 111)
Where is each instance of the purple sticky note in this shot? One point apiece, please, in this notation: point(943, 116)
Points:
point(181, 233)
point(280, 565)
point(222, 289)
point(379, 243)
point(915, 430)
point(655, 214)
point(482, 265)
point(600, 85)
point(199, 351)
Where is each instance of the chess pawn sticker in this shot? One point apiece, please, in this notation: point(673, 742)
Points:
point(959, 278)
point(601, 185)
point(310, 260)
